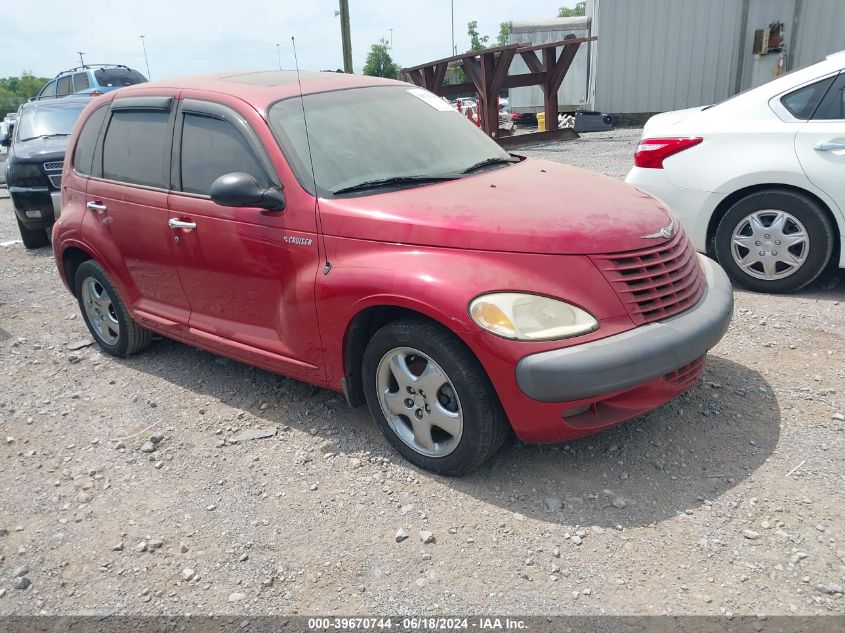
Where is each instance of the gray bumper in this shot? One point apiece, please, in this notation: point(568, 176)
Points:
point(633, 357)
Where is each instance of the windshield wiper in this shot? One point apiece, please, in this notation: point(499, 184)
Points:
point(44, 136)
point(395, 181)
point(489, 161)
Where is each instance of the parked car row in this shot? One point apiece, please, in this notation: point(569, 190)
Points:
point(36, 138)
point(399, 260)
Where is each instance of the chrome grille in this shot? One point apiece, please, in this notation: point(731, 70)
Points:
point(657, 282)
point(56, 180)
point(56, 166)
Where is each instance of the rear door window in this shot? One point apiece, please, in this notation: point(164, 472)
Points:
point(833, 105)
point(64, 87)
point(802, 103)
point(211, 148)
point(81, 82)
point(83, 155)
point(134, 147)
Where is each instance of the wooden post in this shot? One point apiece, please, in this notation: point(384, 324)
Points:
point(345, 37)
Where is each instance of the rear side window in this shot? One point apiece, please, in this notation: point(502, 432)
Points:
point(833, 105)
point(81, 82)
point(49, 90)
point(63, 87)
point(117, 77)
point(133, 150)
point(83, 155)
point(213, 147)
point(803, 102)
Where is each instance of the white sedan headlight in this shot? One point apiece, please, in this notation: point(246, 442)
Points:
point(526, 317)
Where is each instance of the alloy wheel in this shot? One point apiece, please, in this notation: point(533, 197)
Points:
point(100, 311)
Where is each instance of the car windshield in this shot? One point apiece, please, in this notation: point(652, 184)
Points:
point(46, 120)
point(117, 77)
point(396, 135)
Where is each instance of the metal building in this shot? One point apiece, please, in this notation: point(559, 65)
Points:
point(658, 55)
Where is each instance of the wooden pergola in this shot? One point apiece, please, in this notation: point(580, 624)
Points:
point(488, 71)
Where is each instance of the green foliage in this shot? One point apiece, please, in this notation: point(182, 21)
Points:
point(15, 90)
point(504, 32)
point(379, 62)
point(580, 8)
point(476, 42)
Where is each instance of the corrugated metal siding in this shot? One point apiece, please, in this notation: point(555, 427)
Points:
point(659, 55)
point(821, 31)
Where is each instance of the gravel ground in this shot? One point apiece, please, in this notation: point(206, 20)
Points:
point(124, 487)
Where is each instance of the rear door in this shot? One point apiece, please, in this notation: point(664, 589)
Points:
point(248, 273)
point(820, 144)
point(126, 199)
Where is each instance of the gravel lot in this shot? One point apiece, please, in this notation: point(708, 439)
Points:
point(730, 499)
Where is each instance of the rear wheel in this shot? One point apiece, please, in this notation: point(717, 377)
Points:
point(33, 238)
point(775, 241)
point(431, 397)
point(106, 316)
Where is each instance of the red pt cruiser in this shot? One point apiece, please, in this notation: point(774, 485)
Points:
point(365, 237)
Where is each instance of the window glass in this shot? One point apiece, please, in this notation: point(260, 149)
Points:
point(211, 148)
point(64, 86)
point(803, 102)
point(133, 150)
point(833, 106)
point(83, 155)
point(49, 90)
point(81, 82)
point(365, 134)
point(117, 77)
point(49, 118)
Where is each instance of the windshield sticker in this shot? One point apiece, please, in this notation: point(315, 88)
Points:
point(434, 101)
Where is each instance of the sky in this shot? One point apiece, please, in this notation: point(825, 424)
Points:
point(187, 37)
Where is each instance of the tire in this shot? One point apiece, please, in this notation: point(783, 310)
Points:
point(804, 216)
point(437, 356)
point(117, 333)
point(33, 238)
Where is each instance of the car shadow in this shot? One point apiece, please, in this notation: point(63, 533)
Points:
point(668, 462)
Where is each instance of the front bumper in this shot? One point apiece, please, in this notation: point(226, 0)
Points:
point(36, 207)
point(631, 358)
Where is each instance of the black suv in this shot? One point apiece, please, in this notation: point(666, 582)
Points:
point(35, 161)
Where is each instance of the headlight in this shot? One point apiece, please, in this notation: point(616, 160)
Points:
point(25, 175)
point(526, 317)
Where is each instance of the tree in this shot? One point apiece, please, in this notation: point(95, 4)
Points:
point(504, 32)
point(15, 90)
point(379, 63)
point(476, 42)
point(580, 8)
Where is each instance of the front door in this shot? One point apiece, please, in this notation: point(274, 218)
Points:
point(126, 215)
point(248, 273)
point(820, 144)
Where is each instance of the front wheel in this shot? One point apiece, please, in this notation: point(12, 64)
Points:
point(774, 241)
point(33, 238)
point(431, 398)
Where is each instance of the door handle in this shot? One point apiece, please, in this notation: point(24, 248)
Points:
point(829, 147)
point(96, 206)
point(173, 223)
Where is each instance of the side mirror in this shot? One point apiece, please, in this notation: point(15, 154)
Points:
point(5, 141)
point(243, 190)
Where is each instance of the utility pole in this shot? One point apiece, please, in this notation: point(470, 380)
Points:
point(279, 53)
point(391, 38)
point(81, 61)
point(454, 50)
point(344, 34)
point(146, 61)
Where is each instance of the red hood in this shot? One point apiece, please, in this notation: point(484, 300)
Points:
point(535, 206)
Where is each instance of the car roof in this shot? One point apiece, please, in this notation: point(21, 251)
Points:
point(59, 101)
point(263, 87)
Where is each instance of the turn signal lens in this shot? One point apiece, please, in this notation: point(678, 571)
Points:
point(527, 317)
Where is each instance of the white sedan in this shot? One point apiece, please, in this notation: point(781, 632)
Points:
point(758, 180)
